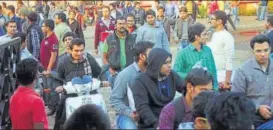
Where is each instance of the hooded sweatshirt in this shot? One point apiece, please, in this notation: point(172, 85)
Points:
point(152, 92)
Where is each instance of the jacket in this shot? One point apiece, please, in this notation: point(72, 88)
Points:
point(270, 35)
point(150, 93)
point(68, 70)
point(114, 50)
point(178, 28)
point(34, 39)
point(156, 35)
point(101, 27)
point(166, 24)
point(139, 16)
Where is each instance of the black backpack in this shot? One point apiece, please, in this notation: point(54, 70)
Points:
point(179, 109)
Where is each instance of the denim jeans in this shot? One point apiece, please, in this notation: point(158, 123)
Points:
point(262, 13)
point(125, 122)
point(235, 11)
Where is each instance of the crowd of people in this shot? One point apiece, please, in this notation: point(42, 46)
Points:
point(134, 44)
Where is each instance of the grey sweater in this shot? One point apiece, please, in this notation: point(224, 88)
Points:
point(254, 82)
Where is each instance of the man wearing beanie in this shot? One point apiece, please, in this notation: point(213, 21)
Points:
point(34, 35)
point(155, 88)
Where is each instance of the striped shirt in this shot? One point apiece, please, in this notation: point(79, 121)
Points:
point(188, 57)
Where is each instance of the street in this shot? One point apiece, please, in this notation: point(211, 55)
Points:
point(242, 50)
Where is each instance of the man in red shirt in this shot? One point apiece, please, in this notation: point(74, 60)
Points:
point(27, 109)
point(104, 24)
point(48, 58)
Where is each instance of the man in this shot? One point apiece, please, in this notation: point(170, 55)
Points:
point(11, 30)
point(80, 18)
point(126, 116)
point(98, 10)
point(24, 53)
point(181, 27)
point(67, 38)
point(230, 111)
point(155, 88)
point(261, 11)
point(83, 116)
point(60, 29)
point(104, 25)
point(114, 13)
point(253, 79)
point(118, 47)
point(45, 9)
point(192, 7)
point(3, 20)
point(171, 10)
point(127, 8)
point(153, 33)
point(34, 35)
point(235, 10)
point(12, 16)
point(198, 80)
point(222, 46)
point(196, 53)
point(269, 28)
point(139, 14)
point(52, 11)
point(74, 25)
point(25, 100)
point(49, 58)
point(165, 22)
point(130, 24)
point(23, 13)
point(78, 63)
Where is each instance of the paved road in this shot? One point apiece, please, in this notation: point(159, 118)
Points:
point(242, 50)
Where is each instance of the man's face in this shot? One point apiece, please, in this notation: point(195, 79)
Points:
point(215, 22)
point(130, 21)
point(11, 28)
point(121, 26)
point(262, 52)
point(9, 12)
point(77, 52)
point(160, 12)
point(166, 67)
point(204, 37)
point(67, 42)
point(137, 6)
point(44, 28)
point(105, 12)
point(144, 56)
point(72, 15)
point(183, 15)
point(150, 19)
point(99, 3)
point(57, 20)
point(195, 90)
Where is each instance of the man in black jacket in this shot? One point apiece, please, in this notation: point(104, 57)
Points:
point(155, 88)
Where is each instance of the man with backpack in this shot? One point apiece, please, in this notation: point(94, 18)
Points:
point(180, 109)
point(34, 35)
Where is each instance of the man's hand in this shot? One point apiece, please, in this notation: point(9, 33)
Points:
point(264, 110)
point(225, 85)
point(105, 84)
point(59, 89)
point(46, 73)
point(135, 116)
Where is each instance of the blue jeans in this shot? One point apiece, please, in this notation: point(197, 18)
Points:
point(235, 11)
point(267, 125)
point(184, 44)
point(125, 122)
point(262, 13)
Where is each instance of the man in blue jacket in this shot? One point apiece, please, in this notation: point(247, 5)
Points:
point(153, 33)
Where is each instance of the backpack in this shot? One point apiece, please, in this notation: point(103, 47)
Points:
point(179, 109)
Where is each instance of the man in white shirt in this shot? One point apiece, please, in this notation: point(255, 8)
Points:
point(222, 46)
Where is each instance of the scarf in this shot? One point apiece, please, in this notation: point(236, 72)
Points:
point(86, 64)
